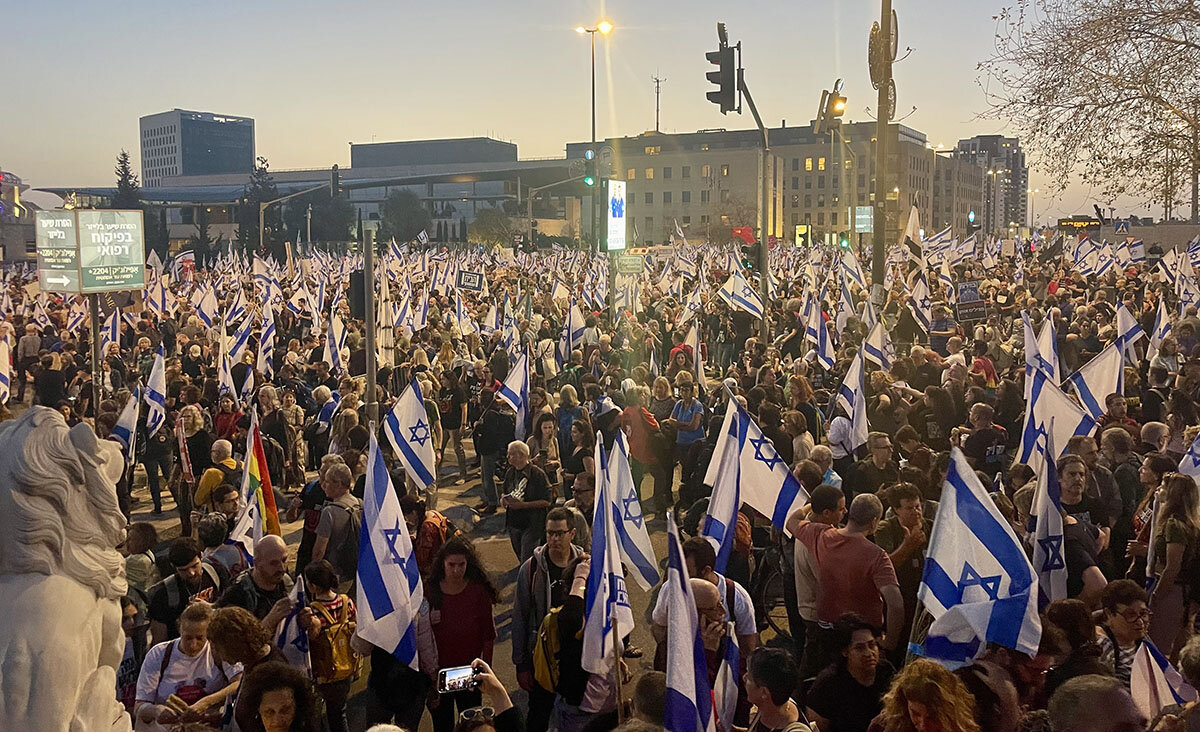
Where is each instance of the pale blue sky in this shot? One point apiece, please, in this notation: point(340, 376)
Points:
point(315, 75)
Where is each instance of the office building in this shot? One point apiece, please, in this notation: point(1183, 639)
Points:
point(181, 142)
point(709, 181)
point(958, 194)
point(1006, 183)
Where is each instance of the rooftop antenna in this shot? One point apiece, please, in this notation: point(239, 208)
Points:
point(657, 93)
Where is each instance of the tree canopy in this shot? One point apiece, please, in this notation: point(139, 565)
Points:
point(403, 217)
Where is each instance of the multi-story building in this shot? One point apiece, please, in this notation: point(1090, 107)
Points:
point(181, 142)
point(1007, 181)
point(958, 192)
point(706, 182)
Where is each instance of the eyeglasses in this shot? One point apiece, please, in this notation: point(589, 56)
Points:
point(477, 713)
point(1136, 616)
point(556, 533)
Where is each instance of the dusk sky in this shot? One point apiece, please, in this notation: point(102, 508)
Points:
point(316, 75)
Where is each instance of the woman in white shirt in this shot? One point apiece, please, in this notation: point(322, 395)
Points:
point(180, 680)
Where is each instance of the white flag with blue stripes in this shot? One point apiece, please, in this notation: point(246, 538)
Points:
point(607, 615)
point(125, 430)
point(1128, 333)
point(852, 396)
point(878, 347)
point(978, 584)
point(111, 333)
point(290, 638)
point(688, 704)
point(693, 341)
point(852, 269)
point(408, 430)
point(918, 302)
point(389, 581)
point(816, 330)
point(1049, 408)
point(1046, 531)
point(156, 395)
point(515, 392)
point(5, 372)
point(746, 469)
point(240, 340)
point(628, 519)
point(1096, 379)
point(740, 294)
point(1154, 683)
point(266, 344)
point(1162, 329)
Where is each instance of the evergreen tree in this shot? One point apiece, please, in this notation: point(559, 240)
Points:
point(260, 189)
point(404, 216)
point(129, 195)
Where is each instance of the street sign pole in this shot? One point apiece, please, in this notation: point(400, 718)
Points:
point(97, 372)
point(372, 399)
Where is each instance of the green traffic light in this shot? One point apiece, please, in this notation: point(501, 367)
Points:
point(589, 181)
point(845, 243)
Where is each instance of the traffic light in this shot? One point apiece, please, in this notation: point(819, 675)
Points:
point(725, 77)
point(844, 240)
point(589, 168)
point(837, 105)
point(335, 182)
point(750, 256)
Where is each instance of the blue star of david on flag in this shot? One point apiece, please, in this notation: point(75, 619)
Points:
point(747, 291)
point(633, 510)
point(419, 433)
point(618, 207)
point(1052, 546)
point(970, 578)
point(393, 535)
point(765, 452)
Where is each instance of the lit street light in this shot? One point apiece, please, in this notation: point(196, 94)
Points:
point(1031, 192)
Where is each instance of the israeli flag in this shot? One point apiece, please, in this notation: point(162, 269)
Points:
point(978, 584)
point(409, 432)
point(111, 333)
point(325, 415)
point(389, 580)
point(1096, 379)
point(820, 332)
point(75, 318)
point(878, 347)
point(919, 303)
point(238, 309)
point(845, 308)
point(1128, 333)
point(739, 294)
point(852, 269)
point(1035, 360)
point(572, 333)
point(688, 704)
point(515, 392)
point(1047, 344)
point(852, 396)
point(1046, 532)
point(290, 638)
point(156, 395)
point(654, 368)
point(746, 469)
point(206, 309)
point(1154, 683)
point(1190, 464)
point(628, 520)
point(694, 306)
point(423, 238)
point(241, 340)
point(125, 430)
point(266, 344)
point(1137, 251)
point(607, 615)
point(1162, 329)
point(1049, 408)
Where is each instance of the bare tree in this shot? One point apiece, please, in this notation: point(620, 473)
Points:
point(1105, 90)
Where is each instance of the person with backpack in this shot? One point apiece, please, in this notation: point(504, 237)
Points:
point(429, 531)
point(193, 579)
point(340, 523)
point(532, 602)
point(224, 470)
point(335, 665)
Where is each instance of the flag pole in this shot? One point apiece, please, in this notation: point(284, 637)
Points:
point(617, 670)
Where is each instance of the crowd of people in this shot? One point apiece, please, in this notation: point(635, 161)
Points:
point(204, 608)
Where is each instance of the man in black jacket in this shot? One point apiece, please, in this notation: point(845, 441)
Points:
point(491, 436)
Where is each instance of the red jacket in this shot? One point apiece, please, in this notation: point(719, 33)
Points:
point(639, 425)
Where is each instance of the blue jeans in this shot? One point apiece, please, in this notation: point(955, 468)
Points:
point(487, 465)
point(153, 466)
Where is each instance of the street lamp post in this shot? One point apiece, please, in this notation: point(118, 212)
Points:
point(1032, 192)
point(603, 28)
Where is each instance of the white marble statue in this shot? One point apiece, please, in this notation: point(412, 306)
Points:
point(61, 577)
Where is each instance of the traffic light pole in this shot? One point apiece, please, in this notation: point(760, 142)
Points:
point(764, 211)
point(882, 185)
